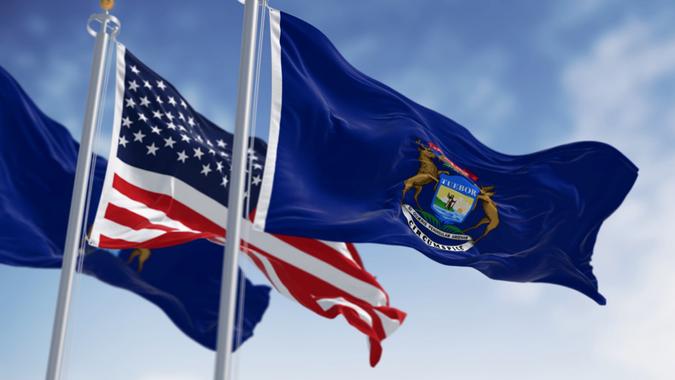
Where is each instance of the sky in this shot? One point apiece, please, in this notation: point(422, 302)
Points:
point(521, 75)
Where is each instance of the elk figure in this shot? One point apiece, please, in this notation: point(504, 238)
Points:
point(143, 255)
point(491, 214)
point(427, 173)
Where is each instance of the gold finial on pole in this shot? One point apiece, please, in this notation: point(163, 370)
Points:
point(107, 5)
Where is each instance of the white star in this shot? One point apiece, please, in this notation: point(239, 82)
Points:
point(126, 121)
point(221, 143)
point(144, 101)
point(171, 126)
point(130, 102)
point(182, 156)
point(257, 180)
point(223, 154)
point(206, 169)
point(142, 117)
point(155, 129)
point(182, 128)
point(253, 157)
point(169, 116)
point(138, 136)
point(257, 166)
point(147, 85)
point(182, 103)
point(212, 152)
point(185, 138)
point(161, 85)
point(123, 141)
point(152, 149)
point(198, 153)
point(208, 142)
point(219, 166)
point(191, 121)
point(225, 181)
point(134, 69)
point(172, 101)
point(133, 86)
point(199, 138)
point(159, 99)
point(157, 114)
point(180, 116)
point(169, 142)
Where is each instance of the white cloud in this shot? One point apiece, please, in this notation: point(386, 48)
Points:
point(618, 94)
point(458, 80)
point(519, 293)
point(616, 88)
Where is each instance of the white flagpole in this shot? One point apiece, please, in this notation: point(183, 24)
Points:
point(108, 29)
point(228, 291)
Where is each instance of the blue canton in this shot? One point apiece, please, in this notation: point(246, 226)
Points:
point(161, 132)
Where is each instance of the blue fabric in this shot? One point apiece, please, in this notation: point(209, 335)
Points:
point(348, 145)
point(37, 168)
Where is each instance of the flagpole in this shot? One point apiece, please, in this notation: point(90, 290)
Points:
point(228, 291)
point(109, 27)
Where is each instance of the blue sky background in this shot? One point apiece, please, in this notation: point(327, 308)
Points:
point(522, 75)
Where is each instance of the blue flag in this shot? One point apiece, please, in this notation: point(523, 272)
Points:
point(37, 170)
point(350, 159)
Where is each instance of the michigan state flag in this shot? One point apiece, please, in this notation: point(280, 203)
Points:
point(350, 159)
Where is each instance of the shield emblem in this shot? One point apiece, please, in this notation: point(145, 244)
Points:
point(454, 199)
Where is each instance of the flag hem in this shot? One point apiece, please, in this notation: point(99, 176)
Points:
point(95, 236)
point(265, 195)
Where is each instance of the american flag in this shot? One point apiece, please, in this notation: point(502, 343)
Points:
point(167, 183)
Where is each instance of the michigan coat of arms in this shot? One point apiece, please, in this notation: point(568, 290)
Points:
point(452, 196)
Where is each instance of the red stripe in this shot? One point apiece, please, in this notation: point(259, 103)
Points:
point(330, 256)
point(307, 289)
point(392, 313)
point(166, 240)
point(355, 254)
point(171, 207)
point(132, 220)
point(305, 281)
point(256, 260)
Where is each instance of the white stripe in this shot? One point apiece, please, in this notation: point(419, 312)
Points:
point(117, 122)
point(340, 247)
point(318, 268)
point(174, 188)
point(272, 275)
point(327, 303)
point(119, 231)
point(154, 216)
point(389, 325)
point(275, 120)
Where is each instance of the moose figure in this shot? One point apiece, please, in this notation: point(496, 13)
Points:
point(427, 173)
point(491, 214)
